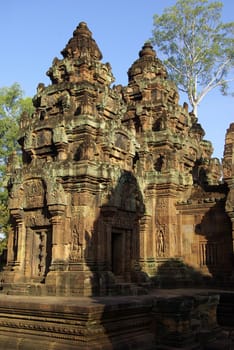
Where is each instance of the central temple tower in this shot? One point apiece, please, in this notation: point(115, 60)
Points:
point(117, 188)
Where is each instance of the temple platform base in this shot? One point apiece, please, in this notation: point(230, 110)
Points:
point(163, 319)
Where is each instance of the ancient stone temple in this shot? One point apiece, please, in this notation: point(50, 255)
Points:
point(118, 191)
point(117, 197)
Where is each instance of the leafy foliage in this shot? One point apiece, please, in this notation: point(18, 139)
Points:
point(198, 47)
point(12, 105)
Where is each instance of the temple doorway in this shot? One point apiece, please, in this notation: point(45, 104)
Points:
point(118, 256)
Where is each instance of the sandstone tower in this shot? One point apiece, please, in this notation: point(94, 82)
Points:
point(118, 190)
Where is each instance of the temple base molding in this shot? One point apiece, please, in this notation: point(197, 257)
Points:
point(166, 319)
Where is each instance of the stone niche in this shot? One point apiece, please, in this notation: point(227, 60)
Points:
point(118, 191)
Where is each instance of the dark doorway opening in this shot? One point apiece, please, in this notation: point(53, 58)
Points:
point(118, 253)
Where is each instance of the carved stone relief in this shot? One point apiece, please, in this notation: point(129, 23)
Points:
point(34, 193)
point(76, 249)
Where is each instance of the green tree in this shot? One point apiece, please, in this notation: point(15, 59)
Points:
point(12, 105)
point(198, 47)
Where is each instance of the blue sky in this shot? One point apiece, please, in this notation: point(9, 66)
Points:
point(34, 32)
